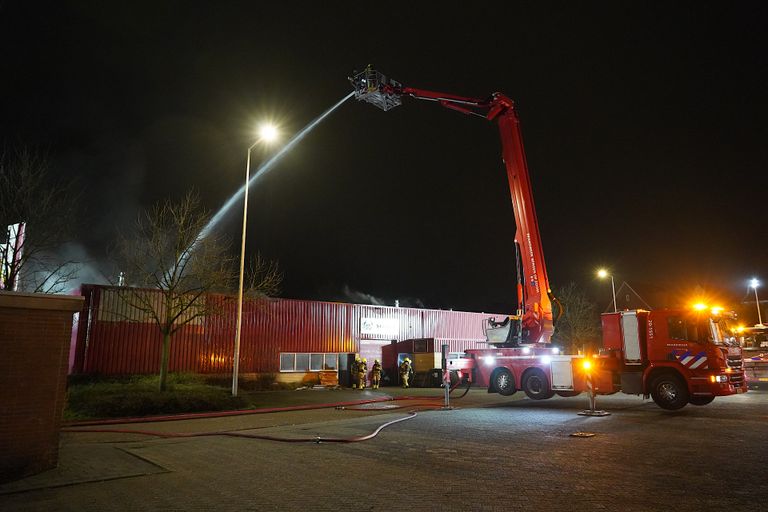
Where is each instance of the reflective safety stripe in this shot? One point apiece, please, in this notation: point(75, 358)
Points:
point(699, 363)
point(689, 360)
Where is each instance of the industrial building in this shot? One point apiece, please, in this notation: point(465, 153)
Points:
point(294, 339)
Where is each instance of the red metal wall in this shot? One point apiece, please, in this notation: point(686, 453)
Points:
point(107, 343)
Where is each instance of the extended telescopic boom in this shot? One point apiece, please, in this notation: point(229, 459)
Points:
point(534, 295)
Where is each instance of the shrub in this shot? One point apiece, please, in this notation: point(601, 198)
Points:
point(138, 396)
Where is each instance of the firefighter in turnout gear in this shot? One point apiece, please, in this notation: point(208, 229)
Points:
point(353, 371)
point(405, 371)
point(362, 371)
point(376, 374)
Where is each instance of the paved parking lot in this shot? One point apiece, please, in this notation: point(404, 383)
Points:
point(491, 453)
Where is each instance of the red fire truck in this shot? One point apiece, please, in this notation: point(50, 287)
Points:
point(675, 356)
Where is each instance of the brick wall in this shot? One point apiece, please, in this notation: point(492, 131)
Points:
point(34, 351)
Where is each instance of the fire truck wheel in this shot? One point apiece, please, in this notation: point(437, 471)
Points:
point(701, 400)
point(504, 382)
point(536, 386)
point(669, 391)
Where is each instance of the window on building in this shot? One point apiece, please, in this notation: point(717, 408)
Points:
point(298, 362)
point(331, 361)
point(302, 362)
point(316, 362)
point(287, 362)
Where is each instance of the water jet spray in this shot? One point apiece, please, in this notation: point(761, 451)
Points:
point(267, 166)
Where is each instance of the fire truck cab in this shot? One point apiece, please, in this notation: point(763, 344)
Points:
point(677, 356)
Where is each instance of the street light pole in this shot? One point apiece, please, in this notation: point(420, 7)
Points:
point(602, 274)
point(236, 357)
point(268, 133)
point(754, 283)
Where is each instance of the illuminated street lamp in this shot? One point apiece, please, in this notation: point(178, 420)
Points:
point(602, 274)
point(267, 133)
point(754, 283)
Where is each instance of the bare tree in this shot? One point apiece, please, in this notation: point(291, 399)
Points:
point(174, 269)
point(36, 218)
point(578, 324)
point(263, 278)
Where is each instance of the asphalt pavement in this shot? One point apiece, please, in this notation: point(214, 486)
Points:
point(488, 453)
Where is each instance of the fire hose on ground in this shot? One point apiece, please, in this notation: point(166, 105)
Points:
point(351, 406)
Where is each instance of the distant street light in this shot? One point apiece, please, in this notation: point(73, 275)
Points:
point(602, 274)
point(267, 133)
point(754, 283)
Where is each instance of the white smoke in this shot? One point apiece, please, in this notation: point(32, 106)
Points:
point(358, 297)
point(80, 266)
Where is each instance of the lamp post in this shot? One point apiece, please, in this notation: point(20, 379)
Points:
point(754, 283)
point(267, 133)
point(602, 274)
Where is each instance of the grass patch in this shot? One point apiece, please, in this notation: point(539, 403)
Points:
point(139, 396)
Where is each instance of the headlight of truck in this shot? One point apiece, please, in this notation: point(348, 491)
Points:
point(719, 378)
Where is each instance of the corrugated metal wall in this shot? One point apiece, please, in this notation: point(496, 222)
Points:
point(112, 339)
point(458, 329)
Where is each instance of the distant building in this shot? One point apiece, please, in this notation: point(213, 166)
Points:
point(641, 296)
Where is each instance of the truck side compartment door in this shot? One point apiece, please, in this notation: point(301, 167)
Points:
point(562, 373)
point(630, 330)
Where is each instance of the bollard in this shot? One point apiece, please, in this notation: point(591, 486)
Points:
point(591, 395)
point(446, 379)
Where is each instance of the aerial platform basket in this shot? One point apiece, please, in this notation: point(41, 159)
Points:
point(375, 88)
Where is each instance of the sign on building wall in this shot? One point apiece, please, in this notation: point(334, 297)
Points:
point(380, 326)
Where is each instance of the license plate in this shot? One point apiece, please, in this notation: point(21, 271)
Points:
point(739, 390)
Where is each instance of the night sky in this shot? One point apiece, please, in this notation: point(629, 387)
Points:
point(645, 126)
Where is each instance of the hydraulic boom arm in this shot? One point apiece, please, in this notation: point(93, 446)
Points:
point(533, 294)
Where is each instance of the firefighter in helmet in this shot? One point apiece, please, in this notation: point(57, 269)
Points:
point(353, 371)
point(405, 371)
point(376, 374)
point(362, 371)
